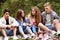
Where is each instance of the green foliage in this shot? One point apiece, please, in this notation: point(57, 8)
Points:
point(26, 5)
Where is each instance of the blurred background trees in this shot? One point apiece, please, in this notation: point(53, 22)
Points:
point(26, 5)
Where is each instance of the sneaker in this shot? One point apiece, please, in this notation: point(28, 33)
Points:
point(29, 35)
point(6, 38)
point(53, 34)
point(33, 34)
point(58, 33)
point(15, 37)
point(25, 37)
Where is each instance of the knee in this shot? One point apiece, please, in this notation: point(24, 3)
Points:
point(40, 24)
point(13, 28)
point(3, 29)
point(55, 21)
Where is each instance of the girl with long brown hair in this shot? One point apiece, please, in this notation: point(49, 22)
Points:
point(35, 18)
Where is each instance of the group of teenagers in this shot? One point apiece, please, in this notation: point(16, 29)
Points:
point(35, 23)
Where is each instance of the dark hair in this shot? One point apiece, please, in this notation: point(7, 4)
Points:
point(6, 10)
point(19, 15)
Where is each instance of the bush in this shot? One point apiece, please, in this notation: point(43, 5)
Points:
point(26, 5)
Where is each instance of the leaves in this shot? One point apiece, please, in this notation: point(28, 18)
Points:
point(26, 5)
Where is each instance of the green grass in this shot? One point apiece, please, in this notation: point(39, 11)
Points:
point(20, 39)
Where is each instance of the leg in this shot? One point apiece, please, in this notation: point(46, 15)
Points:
point(56, 24)
point(21, 31)
point(51, 27)
point(47, 29)
point(4, 32)
point(14, 31)
point(44, 27)
point(33, 28)
point(29, 30)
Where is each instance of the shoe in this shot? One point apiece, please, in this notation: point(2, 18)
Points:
point(32, 34)
point(6, 38)
point(29, 36)
point(53, 33)
point(25, 37)
point(58, 33)
point(15, 37)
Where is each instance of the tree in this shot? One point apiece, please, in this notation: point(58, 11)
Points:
point(26, 5)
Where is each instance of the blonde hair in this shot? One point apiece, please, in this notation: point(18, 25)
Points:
point(47, 4)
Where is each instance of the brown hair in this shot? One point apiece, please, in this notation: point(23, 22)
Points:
point(37, 14)
point(19, 15)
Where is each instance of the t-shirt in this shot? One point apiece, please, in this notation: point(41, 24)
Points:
point(53, 16)
point(48, 19)
point(7, 21)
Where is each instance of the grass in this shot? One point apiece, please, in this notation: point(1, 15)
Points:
point(20, 39)
point(56, 38)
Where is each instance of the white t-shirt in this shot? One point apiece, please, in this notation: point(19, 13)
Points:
point(48, 19)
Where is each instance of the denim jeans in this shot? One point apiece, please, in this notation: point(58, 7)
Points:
point(25, 29)
point(51, 27)
point(34, 29)
point(9, 32)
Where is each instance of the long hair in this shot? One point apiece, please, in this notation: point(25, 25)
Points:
point(19, 15)
point(37, 14)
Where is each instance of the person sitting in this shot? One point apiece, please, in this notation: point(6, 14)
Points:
point(8, 22)
point(31, 16)
point(50, 18)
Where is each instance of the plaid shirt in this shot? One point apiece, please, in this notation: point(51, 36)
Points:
point(53, 16)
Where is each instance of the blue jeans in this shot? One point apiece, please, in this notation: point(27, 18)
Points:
point(34, 29)
point(51, 27)
point(9, 32)
point(25, 29)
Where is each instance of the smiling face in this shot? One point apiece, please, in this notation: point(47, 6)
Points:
point(6, 15)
